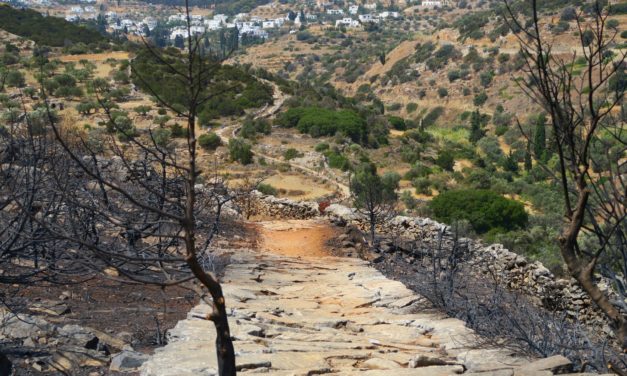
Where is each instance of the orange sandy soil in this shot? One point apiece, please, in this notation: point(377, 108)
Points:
point(297, 238)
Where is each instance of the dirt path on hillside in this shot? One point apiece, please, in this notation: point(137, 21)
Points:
point(231, 131)
point(296, 238)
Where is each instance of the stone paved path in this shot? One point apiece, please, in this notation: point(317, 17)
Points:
point(316, 315)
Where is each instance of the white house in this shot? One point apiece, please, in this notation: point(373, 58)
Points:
point(213, 24)
point(177, 17)
point(384, 15)
point(363, 18)
point(254, 30)
point(347, 22)
point(434, 3)
point(221, 17)
point(197, 29)
point(268, 24)
point(353, 9)
point(311, 17)
point(335, 12)
point(370, 6)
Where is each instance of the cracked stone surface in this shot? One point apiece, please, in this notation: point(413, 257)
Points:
point(305, 316)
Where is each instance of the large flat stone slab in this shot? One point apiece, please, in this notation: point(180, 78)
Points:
point(324, 315)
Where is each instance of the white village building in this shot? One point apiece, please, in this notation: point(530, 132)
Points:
point(347, 22)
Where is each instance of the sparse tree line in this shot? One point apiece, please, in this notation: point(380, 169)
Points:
point(75, 203)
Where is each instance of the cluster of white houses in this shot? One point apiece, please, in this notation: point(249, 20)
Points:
point(352, 16)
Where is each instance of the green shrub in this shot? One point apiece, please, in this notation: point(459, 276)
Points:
point(432, 116)
point(209, 141)
point(162, 136)
point(411, 107)
point(338, 160)
point(445, 160)
point(253, 126)
point(143, 109)
point(422, 185)
point(291, 153)
point(397, 123)
point(418, 170)
point(318, 122)
point(323, 146)
point(267, 189)
point(240, 151)
point(480, 99)
point(485, 210)
point(394, 107)
point(178, 131)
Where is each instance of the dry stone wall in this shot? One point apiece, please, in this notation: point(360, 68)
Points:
point(515, 272)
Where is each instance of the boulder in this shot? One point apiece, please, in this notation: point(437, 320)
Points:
point(127, 361)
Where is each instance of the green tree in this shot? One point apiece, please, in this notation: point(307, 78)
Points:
point(143, 109)
point(485, 210)
point(446, 160)
point(291, 153)
point(162, 136)
point(85, 108)
point(528, 162)
point(209, 141)
point(476, 129)
point(14, 78)
point(374, 196)
point(480, 99)
point(240, 151)
point(539, 138)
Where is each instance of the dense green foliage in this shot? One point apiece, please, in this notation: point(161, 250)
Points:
point(252, 127)
point(49, 31)
point(232, 89)
point(240, 151)
point(485, 210)
point(209, 141)
point(318, 121)
point(267, 189)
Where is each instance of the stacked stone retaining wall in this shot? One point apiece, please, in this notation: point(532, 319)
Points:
point(514, 271)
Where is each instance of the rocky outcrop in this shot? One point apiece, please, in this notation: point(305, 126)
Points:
point(62, 347)
point(308, 316)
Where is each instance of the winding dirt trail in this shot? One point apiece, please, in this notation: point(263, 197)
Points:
point(231, 131)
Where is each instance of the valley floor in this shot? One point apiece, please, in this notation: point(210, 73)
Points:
point(297, 310)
